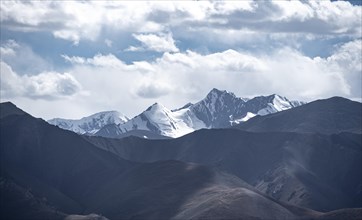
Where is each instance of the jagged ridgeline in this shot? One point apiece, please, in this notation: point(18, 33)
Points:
point(219, 109)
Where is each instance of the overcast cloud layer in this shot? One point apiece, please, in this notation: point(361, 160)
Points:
point(71, 59)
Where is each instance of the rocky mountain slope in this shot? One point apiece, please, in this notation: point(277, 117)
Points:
point(48, 172)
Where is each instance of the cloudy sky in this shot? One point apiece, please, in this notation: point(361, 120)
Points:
point(71, 59)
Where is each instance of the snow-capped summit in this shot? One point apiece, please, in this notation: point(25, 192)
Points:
point(221, 108)
point(263, 105)
point(160, 120)
point(277, 103)
point(156, 107)
point(90, 124)
point(217, 107)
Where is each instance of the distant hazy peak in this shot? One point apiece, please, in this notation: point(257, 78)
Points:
point(90, 124)
point(99, 114)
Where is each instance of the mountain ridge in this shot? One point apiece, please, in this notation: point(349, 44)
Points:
point(333, 115)
point(81, 175)
point(277, 163)
point(297, 157)
point(45, 167)
point(219, 109)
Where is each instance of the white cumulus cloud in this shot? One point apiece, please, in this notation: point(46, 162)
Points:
point(46, 85)
point(98, 60)
point(300, 49)
point(8, 48)
point(71, 20)
point(178, 78)
point(156, 42)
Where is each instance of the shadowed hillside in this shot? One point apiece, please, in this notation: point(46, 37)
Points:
point(328, 116)
point(47, 172)
point(316, 171)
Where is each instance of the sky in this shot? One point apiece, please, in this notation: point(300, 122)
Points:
point(70, 59)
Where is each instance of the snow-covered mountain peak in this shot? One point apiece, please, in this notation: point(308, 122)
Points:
point(157, 107)
point(217, 107)
point(281, 103)
point(157, 112)
point(216, 100)
point(160, 120)
point(278, 97)
point(214, 93)
point(105, 115)
point(276, 103)
point(90, 124)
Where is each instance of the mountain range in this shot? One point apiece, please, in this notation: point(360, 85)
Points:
point(301, 163)
point(51, 173)
point(310, 164)
point(219, 109)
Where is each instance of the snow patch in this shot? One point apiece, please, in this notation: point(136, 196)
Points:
point(248, 116)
